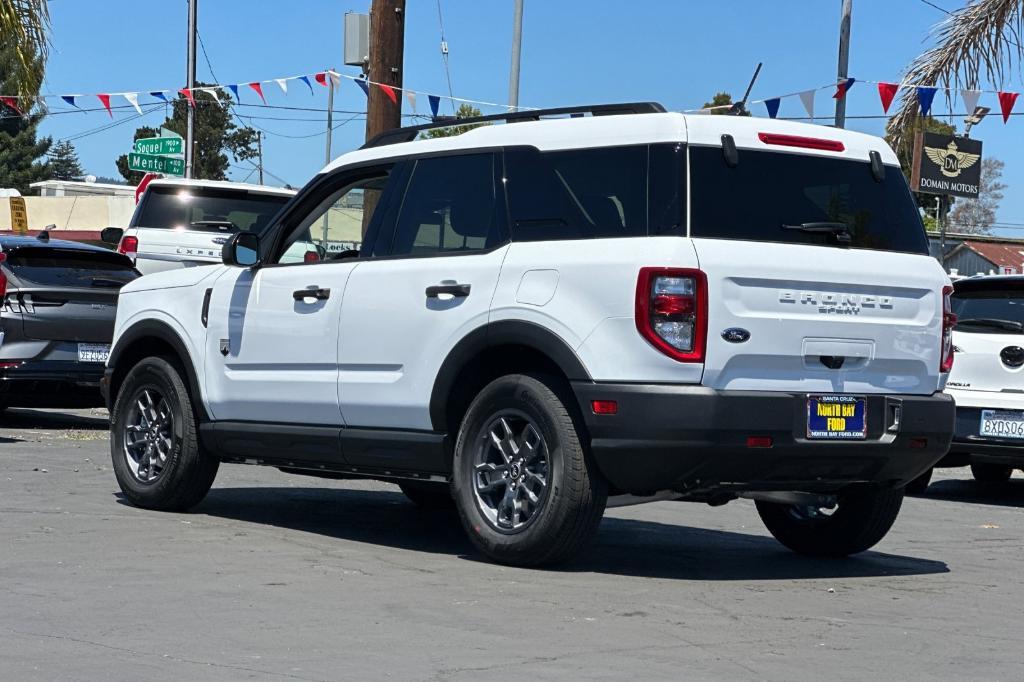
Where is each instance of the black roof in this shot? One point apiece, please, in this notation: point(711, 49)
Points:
point(8, 242)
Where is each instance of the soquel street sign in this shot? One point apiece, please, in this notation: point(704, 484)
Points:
point(159, 145)
point(149, 163)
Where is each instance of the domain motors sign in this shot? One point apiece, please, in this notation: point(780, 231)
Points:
point(946, 164)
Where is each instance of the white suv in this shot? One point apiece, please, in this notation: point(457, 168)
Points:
point(551, 315)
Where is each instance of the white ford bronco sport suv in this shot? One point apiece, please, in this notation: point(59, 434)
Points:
point(553, 315)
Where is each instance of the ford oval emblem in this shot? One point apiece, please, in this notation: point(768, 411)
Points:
point(735, 335)
point(1012, 356)
point(220, 240)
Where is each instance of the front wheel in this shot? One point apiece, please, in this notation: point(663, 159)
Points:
point(858, 521)
point(527, 490)
point(991, 473)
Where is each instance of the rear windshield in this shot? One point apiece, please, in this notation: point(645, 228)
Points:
point(766, 191)
point(207, 209)
point(990, 310)
point(70, 267)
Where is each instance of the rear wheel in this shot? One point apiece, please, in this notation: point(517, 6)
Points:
point(991, 473)
point(154, 443)
point(858, 521)
point(427, 494)
point(527, 491)
point(920, 484)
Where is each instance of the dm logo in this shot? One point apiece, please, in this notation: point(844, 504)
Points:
point(951, 160)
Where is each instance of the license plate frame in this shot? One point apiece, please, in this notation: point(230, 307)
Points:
point(850, 410)
point(93, 352)
point(1006, 416)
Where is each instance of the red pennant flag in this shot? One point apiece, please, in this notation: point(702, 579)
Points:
point(105, 99)
point(1006, 102)
point(188, 95)
point(887, 91)
point(259, 90)
point(389, 91)
point(321, 78)
point(12, 102)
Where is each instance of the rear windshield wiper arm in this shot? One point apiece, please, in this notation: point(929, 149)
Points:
point(840, 230)
point(102, 282)
point(220, 224)
point(992, 323)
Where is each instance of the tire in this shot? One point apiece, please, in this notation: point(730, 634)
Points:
point(858, 522)
point(920, 484)
point(991, 473)
point(535, 416)
point(428, 495)
point(154, 443)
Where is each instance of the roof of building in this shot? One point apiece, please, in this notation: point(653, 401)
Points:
point(998, 253)
point(98, 188)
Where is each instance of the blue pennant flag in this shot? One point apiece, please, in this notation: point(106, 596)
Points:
point(435, 104)
point(924, 98)
point(772, 105)
point(362, 84)
point(70, 99)
point(305, 79)
point(159, 94)
point(234, 91)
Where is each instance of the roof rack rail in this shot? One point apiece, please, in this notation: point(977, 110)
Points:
point(409, 133)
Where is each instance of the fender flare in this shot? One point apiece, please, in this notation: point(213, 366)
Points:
point(501, 333)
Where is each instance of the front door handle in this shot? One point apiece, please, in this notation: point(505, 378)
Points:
point(457, 290)
point(312, 292)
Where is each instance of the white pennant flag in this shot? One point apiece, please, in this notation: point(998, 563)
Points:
point(335, 78)
point(212, 91)
point(283, 84)
point(133, 99)
point(807, 99)
point(411, 97)
point(971, 98)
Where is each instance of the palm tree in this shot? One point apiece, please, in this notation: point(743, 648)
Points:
point(982, 41)
point(25, 23)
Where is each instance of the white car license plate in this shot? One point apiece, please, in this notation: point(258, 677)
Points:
point(1002, 424)
point(93, 352)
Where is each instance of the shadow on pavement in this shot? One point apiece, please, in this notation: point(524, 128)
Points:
point(1008, 494)
point(23, 418)
point(623, 546)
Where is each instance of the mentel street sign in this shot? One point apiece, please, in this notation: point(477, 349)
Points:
point(159, 145)
point(946, 164)
point(147, 163)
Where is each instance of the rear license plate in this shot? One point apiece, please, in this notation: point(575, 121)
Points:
point(1002, 424)
point(836, 417)
point(93, 352)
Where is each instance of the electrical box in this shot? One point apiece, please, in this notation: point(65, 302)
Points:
point(357, 39)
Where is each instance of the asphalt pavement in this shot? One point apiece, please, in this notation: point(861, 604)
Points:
point(278, 576)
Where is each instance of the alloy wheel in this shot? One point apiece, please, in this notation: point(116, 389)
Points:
point(148, 435)
point(511, 472)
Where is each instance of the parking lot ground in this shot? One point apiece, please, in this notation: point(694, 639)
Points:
point(277, 576)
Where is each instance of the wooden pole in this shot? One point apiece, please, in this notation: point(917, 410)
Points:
point(387, 49)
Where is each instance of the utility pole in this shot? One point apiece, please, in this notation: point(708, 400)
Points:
point(259, 147)
point(844, 60)
point(517, 47)
point(330, 116)
point(190, 80)
point(387, 50)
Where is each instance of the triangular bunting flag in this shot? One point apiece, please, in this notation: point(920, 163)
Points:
point(807, 99)
point(283, 84)
point(133, 99)
point(1006, 102)
point(321, 78)
point(772, 105)
point(41, 101)
point(159, 94)
point(255, 85)
point(335, 78)
point(188, 95)
point(12, 102)
point(105, 99)
point(305, 79)
point(925, 95)
point(210, 91)
point(410, 97)
point(886, 92)
point(70, 99)
point(362, 84)
point(389, 91)
point(970, 98)
point(234, 90)
point(843, 88)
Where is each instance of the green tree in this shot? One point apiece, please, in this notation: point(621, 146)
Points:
point(465, 111)
point(976, 216)
point(721, 99)
point(23, 26)
point(22, 152)
point(216, 136)
point(64, 162)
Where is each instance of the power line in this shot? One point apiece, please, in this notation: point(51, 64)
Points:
point(444, 56)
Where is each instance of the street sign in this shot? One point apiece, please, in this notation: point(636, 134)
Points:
point(946, 164)
point(19, 215)
point(149, 163)
point(159, 145)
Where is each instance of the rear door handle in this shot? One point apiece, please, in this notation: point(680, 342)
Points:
point(312, 292)
point(457, 290)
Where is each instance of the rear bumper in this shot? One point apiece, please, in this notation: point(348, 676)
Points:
point(51, 384)
point(968, 447)
point(694, 439)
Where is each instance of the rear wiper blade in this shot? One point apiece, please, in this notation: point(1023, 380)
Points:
point(840, 230)
point(220, 224)
point(992, 323)
point(101, 282)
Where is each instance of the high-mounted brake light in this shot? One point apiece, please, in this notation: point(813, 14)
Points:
point(672, 311)
point(129, 246)
point(802, 142)
point(3, 281)
point(948, 322)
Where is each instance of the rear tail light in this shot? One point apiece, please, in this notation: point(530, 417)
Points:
point(311, 257)
point(604, 406)
point(3, 280)
point(948, 322)
point(129, 246)
point(672, 311)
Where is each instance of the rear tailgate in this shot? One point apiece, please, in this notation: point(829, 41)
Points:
point(193, 247)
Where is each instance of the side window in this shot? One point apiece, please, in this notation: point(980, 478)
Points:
point(451, 205)
point(338, 223)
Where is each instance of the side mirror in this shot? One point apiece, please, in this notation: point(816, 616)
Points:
point(111, 235)
point(242, 250)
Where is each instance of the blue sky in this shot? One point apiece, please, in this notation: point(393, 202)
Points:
point(676, 52)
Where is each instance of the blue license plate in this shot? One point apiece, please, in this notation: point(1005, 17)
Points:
point(836, 417)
